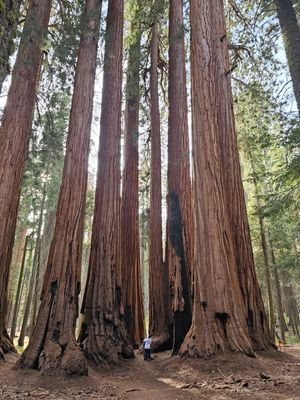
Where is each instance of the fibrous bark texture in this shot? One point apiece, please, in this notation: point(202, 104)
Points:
point(130, 241)
point(179, 222)
point(14, 135)
point(219, 315)
point(256, 318)
point(53, 346)
point(9, 18)
point(291, 37)
point(103, 334)
point(158, 274)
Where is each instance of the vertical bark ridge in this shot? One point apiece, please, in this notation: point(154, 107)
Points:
point(219, 318)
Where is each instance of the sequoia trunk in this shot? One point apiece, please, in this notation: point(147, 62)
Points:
point(219, 315)
point(158, 274)
point(103, 334)
point(179, 226)
point(291, 38)
point(131, 269)
point(14, 135)
point(255, 313)
point(53, 346)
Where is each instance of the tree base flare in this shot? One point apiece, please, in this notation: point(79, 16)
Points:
point(6, 345)
point(199, 348)
point(56, 359)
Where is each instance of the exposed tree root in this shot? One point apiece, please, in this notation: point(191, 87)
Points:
point(6, 344)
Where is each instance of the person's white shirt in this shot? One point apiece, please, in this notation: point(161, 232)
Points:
point(147, 343)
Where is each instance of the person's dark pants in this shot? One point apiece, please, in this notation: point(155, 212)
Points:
point(146, 354)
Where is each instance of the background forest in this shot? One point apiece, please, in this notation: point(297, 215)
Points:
point(264, 55)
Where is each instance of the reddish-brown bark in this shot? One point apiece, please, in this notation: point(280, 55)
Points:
point(103, 334)
point(179, 222)
point(130, 241)
point(256, 318)
point(53, 346)
point(14, 135)
point(158, 274)
point(219, 315)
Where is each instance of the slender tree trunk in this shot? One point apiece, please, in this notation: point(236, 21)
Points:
point(130, 242)
point(15, 266)
point(219, 315)
point(264, 247)
point(18, 293)
point(290, 304)
point(257, 321)
point(9, 18)
point(14, 135)
point(35, 264)
point(179, 222)
point(158, 310)
point(53, 346)
point(103, 334)
point(25, 284)
point(291, 38)
point(278, 291)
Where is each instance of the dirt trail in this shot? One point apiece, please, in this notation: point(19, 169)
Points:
point(273, 376)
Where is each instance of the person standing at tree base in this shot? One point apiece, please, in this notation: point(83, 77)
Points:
point(147, 348)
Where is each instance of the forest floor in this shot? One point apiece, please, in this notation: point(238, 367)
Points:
point(272, 376)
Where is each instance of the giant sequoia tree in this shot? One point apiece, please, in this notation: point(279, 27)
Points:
point(158, 274)
point(256, 319)
point(14, 135)
point(103, 334)
point(54, 335)
point(130, 242)
point(179, 223)
point(219, 315)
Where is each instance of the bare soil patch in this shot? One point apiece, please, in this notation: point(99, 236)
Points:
point(269, 376)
